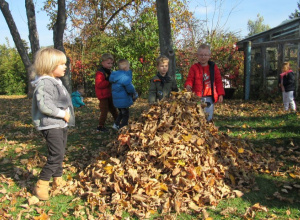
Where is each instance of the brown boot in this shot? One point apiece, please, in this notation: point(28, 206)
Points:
point(58, 182)
point(41, 190)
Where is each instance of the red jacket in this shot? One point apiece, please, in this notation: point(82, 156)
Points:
point(195, 80)
point(102, 85)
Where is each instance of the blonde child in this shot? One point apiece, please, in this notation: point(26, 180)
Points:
point(204, 79)
point(52, 113)
point(161, 84)
point(103, 90)
point(287, 84)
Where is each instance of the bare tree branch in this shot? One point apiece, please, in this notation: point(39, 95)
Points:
point(116, 13)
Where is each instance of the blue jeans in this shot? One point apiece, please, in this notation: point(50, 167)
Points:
point(210, 107)
point(123, 117)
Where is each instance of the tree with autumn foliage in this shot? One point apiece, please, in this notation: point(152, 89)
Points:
point(138, 43)
point(128, 29)
point(257, 26)
point(229, 60)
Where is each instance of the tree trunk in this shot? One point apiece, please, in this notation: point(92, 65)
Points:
point(16, 36)
point(33, 33)
point(33, 38)
point(58, 36)
point(165, 36)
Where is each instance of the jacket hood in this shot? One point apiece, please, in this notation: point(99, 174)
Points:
point(36, 81)
point(117, 75)
point(104, 70)
point(76, 93)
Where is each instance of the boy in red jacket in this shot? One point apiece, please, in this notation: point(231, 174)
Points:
point(204, 79)
point(103, 90)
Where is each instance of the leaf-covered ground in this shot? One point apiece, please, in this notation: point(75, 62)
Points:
point(167, 163)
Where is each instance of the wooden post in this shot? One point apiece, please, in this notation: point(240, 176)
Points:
point(297, 73)
point(265, 68)
point(165, 37)
point(281, 57)
point(247, 69)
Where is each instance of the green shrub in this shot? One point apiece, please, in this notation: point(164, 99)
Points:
point(12, 72)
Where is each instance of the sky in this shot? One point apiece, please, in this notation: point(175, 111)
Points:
point(233, 16)
point(18, 11)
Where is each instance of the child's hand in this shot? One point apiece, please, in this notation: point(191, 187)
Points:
point(220, 99)
point(135, 96)
point(188, 88)
point(67, 116)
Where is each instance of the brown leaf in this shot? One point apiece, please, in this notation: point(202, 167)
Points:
point(238, 193)
point(176, 171)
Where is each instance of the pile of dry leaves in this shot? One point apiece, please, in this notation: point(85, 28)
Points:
point(170, 160)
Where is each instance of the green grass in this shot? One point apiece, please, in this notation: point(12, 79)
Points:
point(272, 132)
point(268, 129)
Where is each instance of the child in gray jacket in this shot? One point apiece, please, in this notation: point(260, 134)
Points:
point(52, 112)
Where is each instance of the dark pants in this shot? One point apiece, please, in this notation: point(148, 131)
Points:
point(122, 119)
point(106, 105)
point(56, 143)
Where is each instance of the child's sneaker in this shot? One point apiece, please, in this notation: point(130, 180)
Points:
point(115, 127)
point(101, 129)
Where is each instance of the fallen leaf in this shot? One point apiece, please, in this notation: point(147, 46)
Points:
point(33, 200)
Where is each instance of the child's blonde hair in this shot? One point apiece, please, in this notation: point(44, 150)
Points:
point(162, 59)
point(47, 59)
point(203, 47)
point(123, 64)
point(106, 56)
point(285, 67)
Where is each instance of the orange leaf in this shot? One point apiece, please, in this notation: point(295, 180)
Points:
point(125, 139)
point(241, 150)
point(43, 216)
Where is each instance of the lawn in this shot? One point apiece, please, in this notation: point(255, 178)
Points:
point(272, 133)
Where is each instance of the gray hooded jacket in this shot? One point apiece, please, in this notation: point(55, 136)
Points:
point(49, 103)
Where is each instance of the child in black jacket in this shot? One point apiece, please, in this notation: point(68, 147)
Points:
point(287, 84)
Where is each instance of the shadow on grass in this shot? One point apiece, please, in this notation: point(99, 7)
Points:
point(277, 139)
point(20, 140)
point(268, 127)
point(268, 187)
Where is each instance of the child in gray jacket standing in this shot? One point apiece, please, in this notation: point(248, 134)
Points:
point(52, 113)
